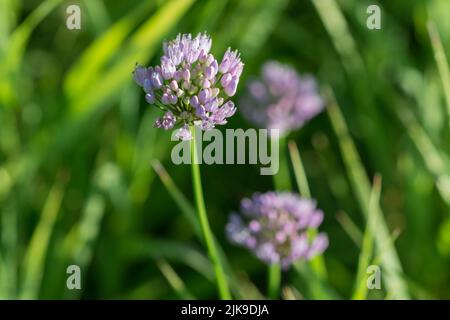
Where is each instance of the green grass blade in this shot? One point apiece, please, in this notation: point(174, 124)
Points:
point(210, 14)
point(441, 61)
point(341, 37)
point(317, 263)
point(360, 290)
point(75, 248)
point(290, 293)
point(350, 228)
point(145, 150)
point(435, 161)
point(390, 261)
point(97, 14)
point(185, 206)
point(174, 280)
point(299, 170)
point(172, 251)
point(260, 25)
point(78, 245)
point(94, 58)
point(318, 289)
point(17, 42)
point(247, 289)
point(36, 252)
point(8, 19)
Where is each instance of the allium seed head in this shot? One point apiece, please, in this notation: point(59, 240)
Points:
point(274, 226)
point(189, 84)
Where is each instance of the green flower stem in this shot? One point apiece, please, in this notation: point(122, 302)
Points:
point(317, 263)
point(281, 179)
point(224, 291)
point(282, 182)
point(273, 289)
point(313, 271)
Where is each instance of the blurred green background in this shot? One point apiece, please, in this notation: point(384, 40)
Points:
point(76, 146)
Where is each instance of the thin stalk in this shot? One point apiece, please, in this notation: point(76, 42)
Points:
point(281, 182)
point(441, 61)
point(317, 263)
point(434, 161)
point(186, 207)
point(174, 280)
point(299, 170)
point(274, 280)
point(336, 24)
point(37, 250)
point(360, 288)
point(224, 291)
point(350, 228)
point(281, 179)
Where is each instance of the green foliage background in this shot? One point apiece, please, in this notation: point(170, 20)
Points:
point(77, 144)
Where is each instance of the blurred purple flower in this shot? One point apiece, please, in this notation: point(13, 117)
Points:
point(190, 84)
point(281, 99)
point(274, 226)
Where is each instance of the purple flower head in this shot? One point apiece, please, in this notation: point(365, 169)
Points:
point(191, 85)
point(274, 226)
point(281, 99)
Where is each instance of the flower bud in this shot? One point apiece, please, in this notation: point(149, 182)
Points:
point(173, 85)
point(165, 99)
point(225, 80)
point(157, 80)
point(150, 98)
point(147, 85)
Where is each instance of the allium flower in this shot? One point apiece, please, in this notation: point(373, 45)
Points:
point(190, 85)
point(274, 226)
point(281, 99)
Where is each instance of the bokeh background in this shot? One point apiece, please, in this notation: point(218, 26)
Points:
point(77, 145)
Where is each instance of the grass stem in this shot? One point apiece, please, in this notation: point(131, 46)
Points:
point(299, 170)
point(317, 263)
point(281, 179)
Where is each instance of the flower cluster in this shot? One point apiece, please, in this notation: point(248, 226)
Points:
point(190, 85)
point(281, 99)
point(274, 226)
